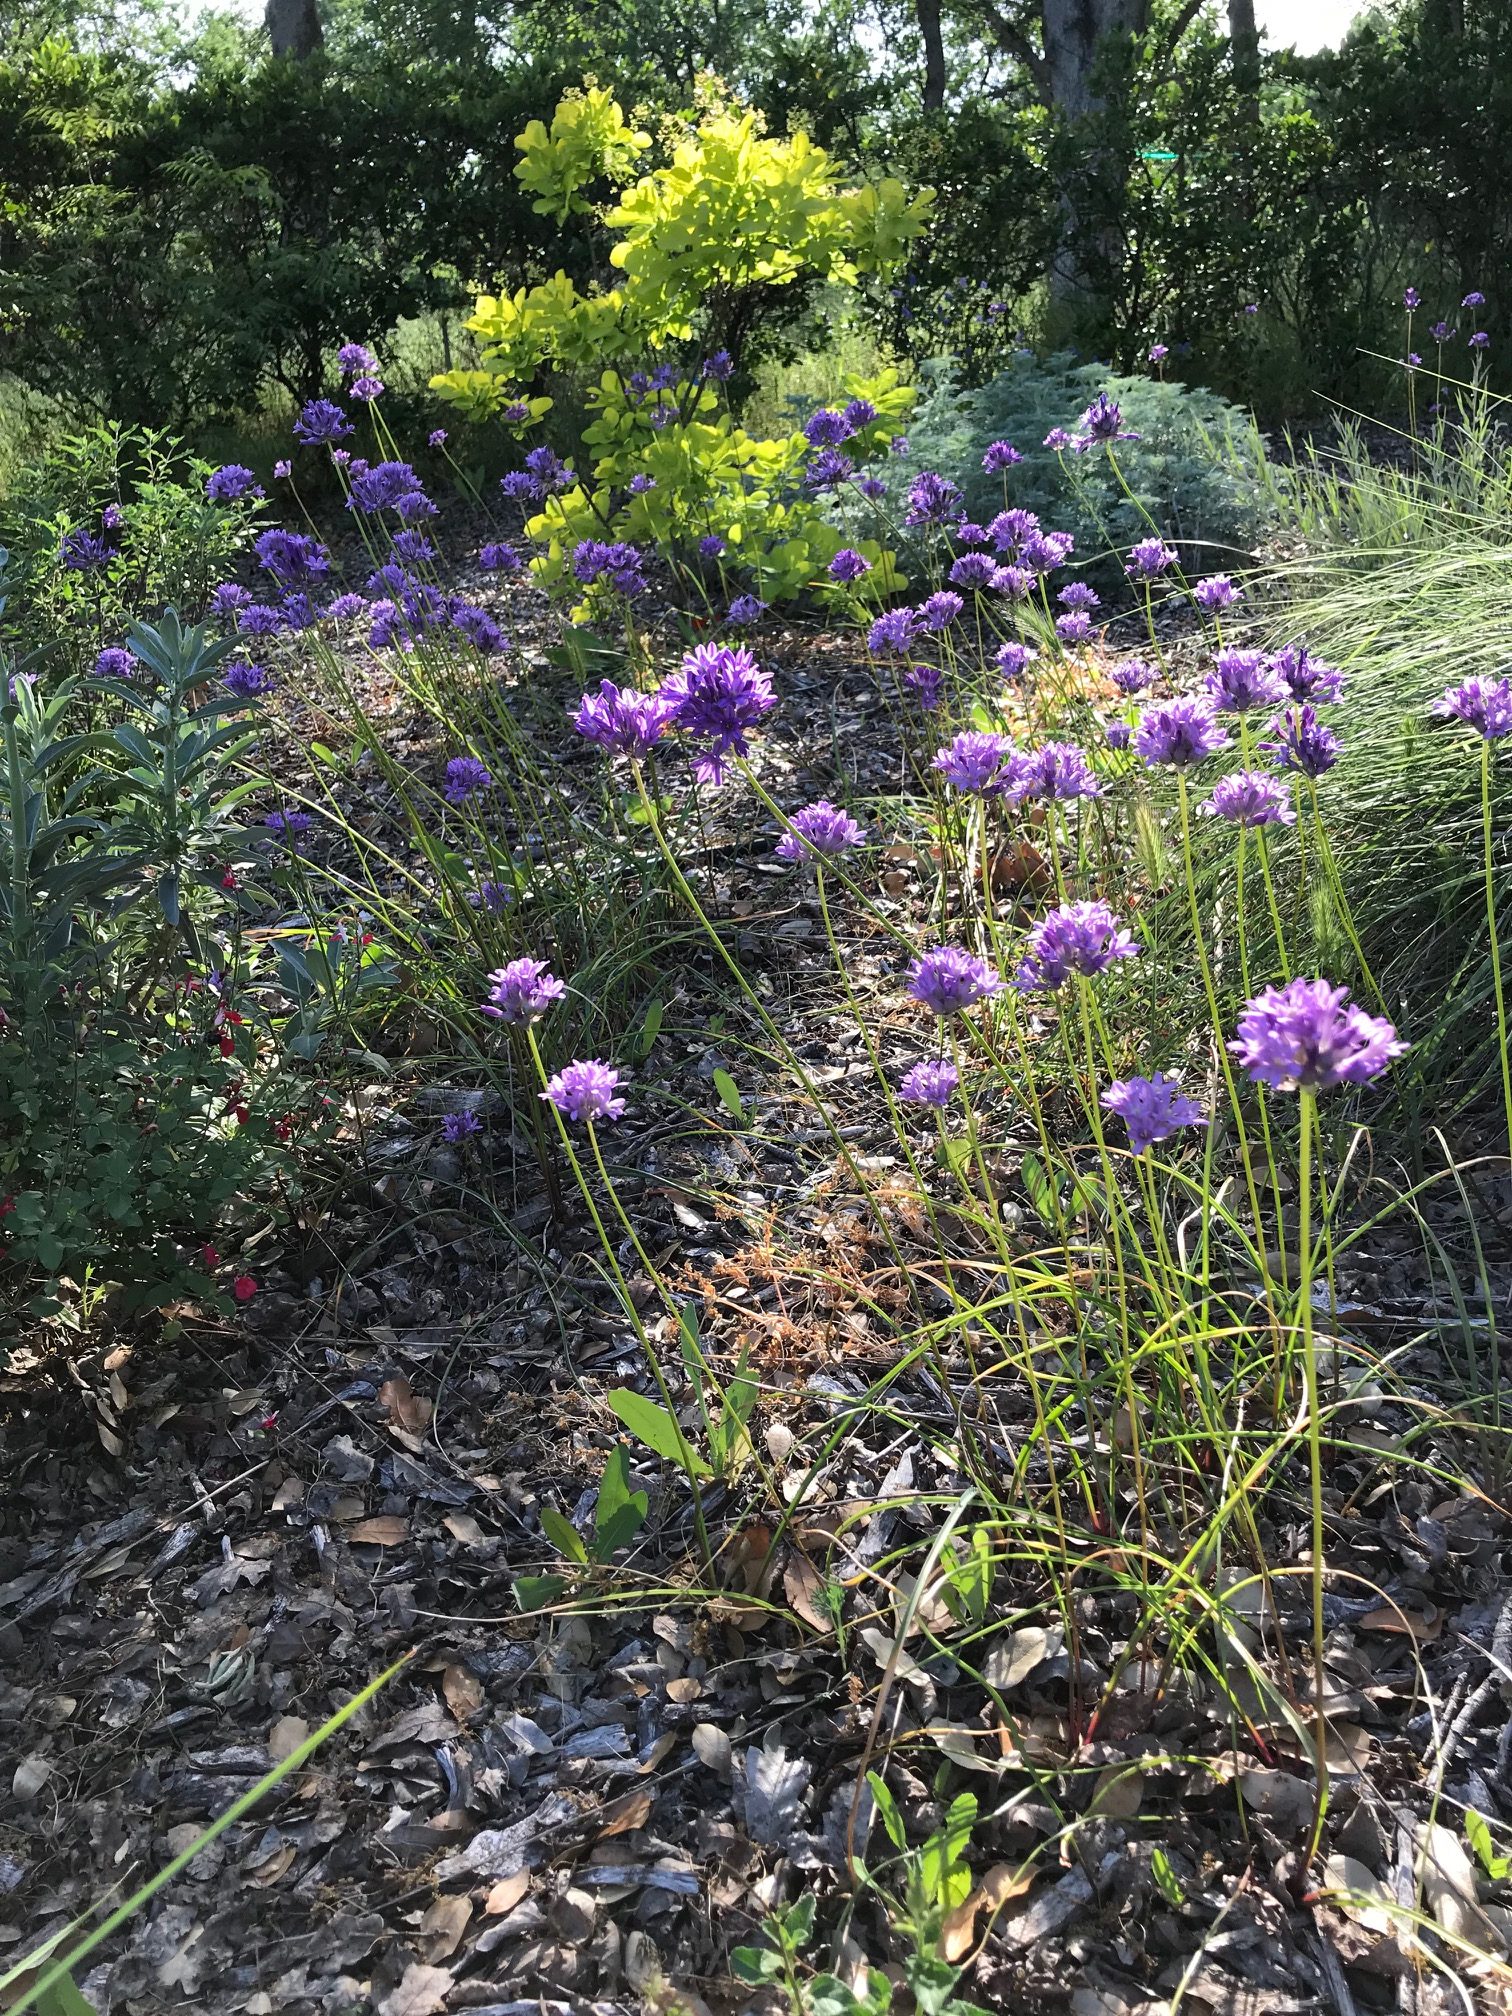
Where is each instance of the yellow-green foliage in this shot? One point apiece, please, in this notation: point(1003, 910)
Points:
point(730, 216)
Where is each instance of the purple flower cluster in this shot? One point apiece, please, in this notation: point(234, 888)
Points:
point(848, 565)
point(932, 1083)
point(388, 486)
point(1082, 938)
point(1301, 743)
point(1305, 677)
point(1151, 1108)
point(1215, 593)
point(718, 696)
point(1308, 1037)
point(245, 679)
point(933, 500)
point(616, 561)
point(1180, 732)
point(978, 762)
point(115, 663)
point(1242, 681)
point(521, 992)
point(1058, 771)
point(585, 1091)
point(233, 482)
point(1101, 425)
point(1251, 798)
point(466, 778)
point(498, 557)
point(820, 828)
point(293, 558)
point(622, 721)
point(1149, 560)
point(1000, 456)
point(1482, 704)
point(456, 1127)
point(948, 981)
point(321, 421)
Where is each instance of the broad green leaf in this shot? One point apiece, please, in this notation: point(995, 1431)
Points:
point(887, 1807)
point(563, 1535)
point(534, 1592)
point(621, 1512)
point(650, 1028)
point(655, 1427)
point(729, 1093)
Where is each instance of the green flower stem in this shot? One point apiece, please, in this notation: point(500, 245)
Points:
point(1496, 968)
point(1314, 1460)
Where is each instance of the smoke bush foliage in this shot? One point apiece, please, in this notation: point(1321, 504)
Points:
point(1179, 472)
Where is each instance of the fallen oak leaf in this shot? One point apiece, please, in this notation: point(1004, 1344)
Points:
point(420, 1993)
point(384, 1529)
point(1002, 1883)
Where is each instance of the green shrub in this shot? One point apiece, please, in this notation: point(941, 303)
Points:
point(1181, 473)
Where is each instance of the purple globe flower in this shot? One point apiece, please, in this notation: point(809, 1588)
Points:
point(1252, 798)
point(640, 483)
point(939, 610)
point(1482, 704)
point(1242, 681)
point(948, 981)
point(1308, 1036)
point(585, 1091)
point(745, 610)
point(711, 546)
point(826, 429)
point(1151, 1108)
point(1075, 628)
point(1149, 560)
point(1000, 455)
point(1215, 593)
point(1474, 299)
point(924, 682)
point(975, 762)
point(466, 778)
point(116, 663)
point(1078, 595)
point(892, 631)
point(478, 627)
point(1132, 676)
point(719, 695)
point(347, 608)
point(932, 1083)
point(1014, 659)
point(1010, 530)
point(828, 470)
point(1059, 440)
point(287, 825)
point(520, 487)
point(1480, 340)
point(1158, 353)
point(1306, 677)
point(1102, 424)
point(848, 565)
point(933, 500)
point(969, 534)
point(234, 481)
point(719, 367)
point(388, 486)
point(1017, 583)
point(456, 1127)
point(259, 619)
point(858, 413)
point(283, 469)
point(1057, 770)
point(320, 421)
point(521, 992)
point(820, 828)
point(80, 551)
point(1120, 734)
point(491, 896)
point(292, 558)
point(436, 438)
point(622, 721)
point(413, 548)
point(1045, 551)
point(1082, 938)
point(366, 389)
point(872, 488)
point(1442, 332)
point(1181, 731)
point(245, 679)
point(1301, 743)
point(498, 557)
point(228, 597)
point(356, 360)
point(974, 570)
point(1412, 299)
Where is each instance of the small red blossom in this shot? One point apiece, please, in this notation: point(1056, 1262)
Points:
point(229, 881)
point(284, 1128)
point(268, 1423)
point(243, 1114)
point(209, 1258)
point(244, 1287)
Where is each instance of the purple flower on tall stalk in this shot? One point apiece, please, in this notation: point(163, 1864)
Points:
point(292, 558)
point(640, 483)
point(621, 721)
point(389, 486)
point(1308, 1036)
point(820, 828)
point(1158, 353)
point(1074, 628)
point(1306, 677)
point(522, 991)
point(1301, 743)
point(436, 438)
point(1120, 734)
point(228, 597)
point(1102, 425)
point(413, 548)
point(1017, 583)
point(456, 1127)
point(114, 663)
point(1482, 704)
point(948, 981)
point(1058, 439)
point(478, 627)
point(356, 360)
point(584, 1091)
point(932, 1083)
point(968, 533)
point(1251, 798)
point(745, 609)
point(259, 619)
point(466, 778)
point(719, 367)
point(933, 500)
point(1014, 659)
point(1442, 333)
point(1045, 551)
point(848, 565)
point(826, 429)
point(321, 421)
point(1242, 681)
point(1057, 771)
point(718, 695)
point(234, 481)
point(828, 470)
point(287, 825)
point(1132, 676)
point(1215, 593)
point(872, 488)
point(366, 389)
point(976, 762)
point(1011, 529)
point(1149, 560)
point(1412, 299)
point(498, 557)
point(80, 551)
point(491, 896)
point(711, 546)
point(346, 608)
point(892, 631)
point(859, 413)
point(1000, 455)
point(924, 682)
point(938, 611)
point(1151, 1108)
point(520, 487)
point(1180, 731)
point(1082, 938)
point(1474, 299)
point(1480, 340)
point(974, 571)
point(245, 679)
point(1078, 595)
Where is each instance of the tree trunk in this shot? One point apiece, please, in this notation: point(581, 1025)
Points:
point(1074, 31)
point(928, 12)
point(294, 28)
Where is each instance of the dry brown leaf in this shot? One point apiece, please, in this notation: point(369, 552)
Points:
point(286, 1735)
point(1422, 1626)
point(404, 1406)
point(31, 1774)
point(506, 1893)
point(266, 1873)
point(1003, 1882)
point(443, 1925)
point(385, 1529)
point(802, 1581)
point(290, 1492)
point(1118, 1793)
point(1358, 1892)
point(465, 1529)
point(420, 1993)
point(110, 1442)
point(632, 1811)
point(463, 1691)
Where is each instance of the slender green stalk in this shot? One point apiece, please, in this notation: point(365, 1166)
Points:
point(1308, 1104)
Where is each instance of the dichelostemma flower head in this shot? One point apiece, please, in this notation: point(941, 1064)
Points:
point(1308, 1036)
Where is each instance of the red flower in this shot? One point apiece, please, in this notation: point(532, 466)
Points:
point(209, 1258)
point(227, 1043)
point(229, 881)
point(242, 1116)
point(268, 1423)
point(283, 1128)
point(244, 1287)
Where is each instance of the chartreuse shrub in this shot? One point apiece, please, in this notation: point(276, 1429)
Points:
point(730, 226)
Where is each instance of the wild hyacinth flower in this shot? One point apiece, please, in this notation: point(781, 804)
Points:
point(1149, 560)
point(1082, 938)
point(1242, 681)
point(584, 1091)
point(1482, 704)
point(1180, 732)
point(498, 557)
point(356, 360)
point(820, 828)
point(81, 552)
point(938, 611)
point(711, 546)
point(1101, 425)
point(1058, 439)
point(1014, 659)
point(948, 981)
point(466, 778)
point(549, 469)
point(745, 609)
point(640, 483)
point(1251, 798)
point(1306, 677)
point(387, 486)
point(436, 438)
point(828, 470)
point(245, 679)
point(893, 631)
point(719, 367)
point(1010, 529)
point(848, 565)
point(967, 533)
point(259, 619)
point(1215, 593)
point(718, 695)
point(924, 682)
point(1045, 551)
point(292, 558)
point(1474, 299)
point(1078, 595)
point(1308, 1037)
point(115, 663)
point(456, 1127)
point(933, 500)
point(932, 1083)
point(826, 429)
point(321, 421)
point(872, 488)
point(975, 762)
point(621, 721)
point(346, 608)
point(232, 482)
point(1120, 734)
point(228, 597)
point(1151, 1108)
point(521, 992)
point(1480, 340)
point(413, 548)
point(1301, 743)
point(1158, 353)
point(287, 825)
point(520, 487)
point(491, 896)
point(1000, 455)
point(1058, 771)
point(858, 413)
point(1132, 676)
point(1017, 583)
point(1075, 628)
point(974, 571)
point(516, 413)
point(1443, 332)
